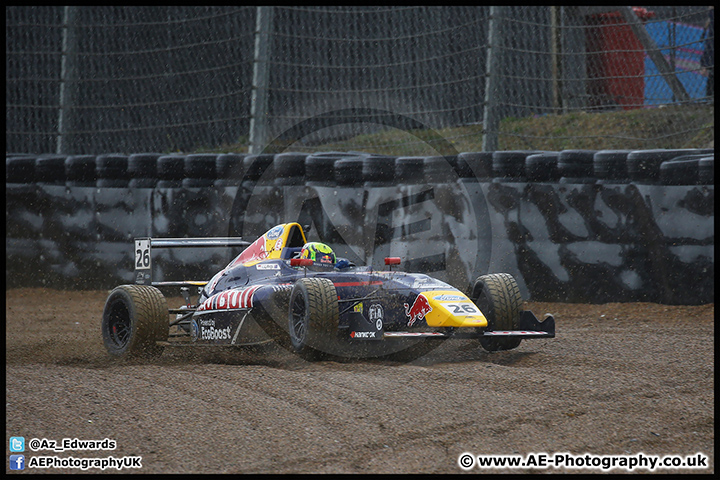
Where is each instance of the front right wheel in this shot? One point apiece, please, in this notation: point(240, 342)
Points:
point(134, 319)
point(498, 297)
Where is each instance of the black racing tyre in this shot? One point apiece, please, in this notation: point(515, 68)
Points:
point(112, 166)
point(611, 165)
point(80, 170)
point(259, 167)
point(112, 183)
point(578, 180)
point(313, 317)
point(135, 317)
point(454, 163)
point(439, 169)
point(171, 168)
point(201, 166)
point(200, 170)
point(409, 170)
point(170, 171)
point(509, 165)
point(378, 170)
point(348, 171)
point(289, 168)
point(320, 170)
point(230, 168)
point(706, 170)
point(498, 297)
point(143, 165)
point(142, 183)
point(197, 182)
point(463, 165)
point(479, 163)
point(542, 167)
point(576, 163)
point(166, 184)
point(682, 170)
point(20, 170)
point(50, 169)
point(643, 166)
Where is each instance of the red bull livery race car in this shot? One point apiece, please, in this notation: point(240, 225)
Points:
point(299, 294)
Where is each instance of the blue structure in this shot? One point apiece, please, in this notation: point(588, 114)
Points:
point(688, 43)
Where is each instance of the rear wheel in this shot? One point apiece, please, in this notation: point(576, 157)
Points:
point(135, 317)
point(313, 317)
point(498, 297)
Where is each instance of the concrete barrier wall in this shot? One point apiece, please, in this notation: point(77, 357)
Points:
point(572, 242)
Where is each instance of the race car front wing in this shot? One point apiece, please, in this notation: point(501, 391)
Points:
point(528, 327)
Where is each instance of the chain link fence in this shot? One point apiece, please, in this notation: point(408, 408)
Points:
point(88, 80)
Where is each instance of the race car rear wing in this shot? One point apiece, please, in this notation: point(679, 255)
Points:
point(145, 245)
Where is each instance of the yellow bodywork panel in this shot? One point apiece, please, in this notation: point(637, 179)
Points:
point(450, 308)
point(270, 245)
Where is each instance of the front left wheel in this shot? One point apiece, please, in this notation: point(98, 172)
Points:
point(134, 319)
point(313, 317)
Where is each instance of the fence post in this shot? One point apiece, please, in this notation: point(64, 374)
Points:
point(68, 78)
point(259, 96)
point(556, 57)
point(491, 120)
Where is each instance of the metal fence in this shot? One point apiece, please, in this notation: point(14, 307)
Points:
point(89, 80)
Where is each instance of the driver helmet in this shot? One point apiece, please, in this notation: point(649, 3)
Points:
point(319, 253)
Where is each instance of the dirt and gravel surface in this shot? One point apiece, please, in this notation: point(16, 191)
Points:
point(618, 379)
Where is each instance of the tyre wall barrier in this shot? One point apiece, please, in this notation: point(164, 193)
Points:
point(604, 241)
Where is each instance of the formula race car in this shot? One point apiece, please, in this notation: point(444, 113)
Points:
point(299, 294)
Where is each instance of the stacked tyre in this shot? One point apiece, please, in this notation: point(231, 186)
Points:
point(320, 169)
point(644, 165)
point(200, 170)
point(50, 169)
point(706, 170)
point(20, 169)
point(378, 170)
point(410, 170)
point(684, 170)
point(542, 167)
point(258, 169)
point(80, 171)
point(170, 171)
point(112, 170)
point(610, 166)
point(289, 168)
point(440, 169)
point(477, 165)
point(348, 171)
point(576, 166)
point(229, 168)
point(509, 165)
point(142, 169)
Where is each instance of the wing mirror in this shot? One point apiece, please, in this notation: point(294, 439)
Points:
point(300, 262)
point(390, 261)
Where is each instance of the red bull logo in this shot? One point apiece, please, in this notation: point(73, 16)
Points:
point(419, 309)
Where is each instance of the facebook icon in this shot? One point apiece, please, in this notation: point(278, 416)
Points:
point(17, 462)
